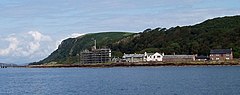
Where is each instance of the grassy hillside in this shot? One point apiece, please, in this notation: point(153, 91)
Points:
point(69, 48)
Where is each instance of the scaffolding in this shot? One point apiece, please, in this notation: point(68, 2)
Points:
point(95, 56)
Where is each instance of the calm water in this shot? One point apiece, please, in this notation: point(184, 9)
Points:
point(219, 80)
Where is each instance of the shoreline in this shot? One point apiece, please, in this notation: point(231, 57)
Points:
point(137, 64)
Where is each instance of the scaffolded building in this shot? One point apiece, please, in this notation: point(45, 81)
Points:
point(95, 56)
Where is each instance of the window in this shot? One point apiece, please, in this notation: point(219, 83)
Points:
point(217, 58)
point(158, 56)
point(227, 54)
point(217, 54)
point(227, 58)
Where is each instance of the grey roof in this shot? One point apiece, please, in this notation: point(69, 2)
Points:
point(221, 51)
point(133, 55)
point(178, 56)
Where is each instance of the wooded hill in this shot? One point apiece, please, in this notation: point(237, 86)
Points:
point(217, 33)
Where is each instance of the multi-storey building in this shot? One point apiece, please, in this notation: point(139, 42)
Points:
point(95, 56)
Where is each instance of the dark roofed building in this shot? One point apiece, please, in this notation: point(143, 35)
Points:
point(202, 58)
point(221, 54)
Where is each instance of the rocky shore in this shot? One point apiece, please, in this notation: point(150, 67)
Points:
point(208, 63)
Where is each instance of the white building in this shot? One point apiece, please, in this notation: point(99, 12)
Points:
point(153, 56)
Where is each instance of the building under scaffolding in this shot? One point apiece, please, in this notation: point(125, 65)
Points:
point(96, 56)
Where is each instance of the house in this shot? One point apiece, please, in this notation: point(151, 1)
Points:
point(202, 58)
point(153, 56)
point(133, 57)
point(221, 54)
point(178, 58)
point(95, 56)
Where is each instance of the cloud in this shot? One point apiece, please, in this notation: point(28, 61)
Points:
point(39, 37)
point(13, 44)
point(30, 46)
point(34, 45)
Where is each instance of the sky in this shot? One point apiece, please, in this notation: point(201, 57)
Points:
point(30, 30)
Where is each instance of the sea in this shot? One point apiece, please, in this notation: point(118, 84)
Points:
point(172, 80)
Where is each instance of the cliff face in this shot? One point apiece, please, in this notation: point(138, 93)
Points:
point(199, 39)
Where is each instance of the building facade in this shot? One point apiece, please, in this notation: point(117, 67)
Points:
point(95, 56)
point(153, 56)
point(178, 58)
point(133, 57)
point(221, 54)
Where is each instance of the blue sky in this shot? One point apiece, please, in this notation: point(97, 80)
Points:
point(31, 29)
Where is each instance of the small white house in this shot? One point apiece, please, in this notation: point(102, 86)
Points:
point(153, 57)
